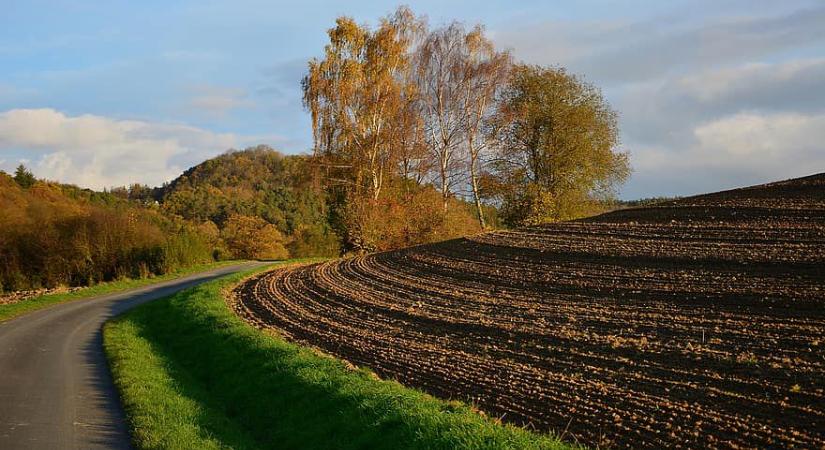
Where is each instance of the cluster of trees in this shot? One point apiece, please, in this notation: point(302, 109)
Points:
point(257, 202)
point(250, 204)
point(420, 134)
point(52, 234)
point(402, 110)
point(282, 200)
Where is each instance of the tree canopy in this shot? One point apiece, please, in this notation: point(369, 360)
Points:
point(558, 147)
point(257, 182)
point(355, 95)
point(403, 105)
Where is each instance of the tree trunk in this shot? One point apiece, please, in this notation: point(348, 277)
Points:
point(445, 183)
point(444, 195)
point(474, 181)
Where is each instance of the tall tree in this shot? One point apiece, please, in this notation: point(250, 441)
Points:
point(442, 84)
point(355, 95)
point(414, 162)
point(558, 146)
point(486, 72)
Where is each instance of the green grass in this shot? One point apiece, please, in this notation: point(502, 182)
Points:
point(193, 375)
point(13, 310)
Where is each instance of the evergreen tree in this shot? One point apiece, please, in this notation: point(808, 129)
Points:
point(23, 177)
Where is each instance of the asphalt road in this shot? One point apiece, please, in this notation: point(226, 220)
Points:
point(56, 391)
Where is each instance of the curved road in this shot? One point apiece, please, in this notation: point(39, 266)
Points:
point(56, 391)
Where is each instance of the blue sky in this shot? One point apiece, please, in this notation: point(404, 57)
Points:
point(711, 94)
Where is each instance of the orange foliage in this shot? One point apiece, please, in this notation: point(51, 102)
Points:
point(251, 237)
point(53, 235)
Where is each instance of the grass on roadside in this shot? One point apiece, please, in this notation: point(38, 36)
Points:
point(12, 310)
point(193, 375)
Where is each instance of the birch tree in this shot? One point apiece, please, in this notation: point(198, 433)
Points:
point(355, 95)
point(442, 88)
point(486, 72)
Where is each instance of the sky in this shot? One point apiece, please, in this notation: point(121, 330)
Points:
point(711, 94)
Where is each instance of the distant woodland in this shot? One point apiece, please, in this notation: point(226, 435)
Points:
point(419, 135)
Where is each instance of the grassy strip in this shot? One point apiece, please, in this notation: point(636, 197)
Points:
point(13, 310)
point(193, 375)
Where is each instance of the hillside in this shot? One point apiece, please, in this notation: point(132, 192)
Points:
point(315, 215)
point(256, 182)
point(697, 322)
point(249, 204)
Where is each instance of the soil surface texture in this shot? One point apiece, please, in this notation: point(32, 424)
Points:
point(693, 323)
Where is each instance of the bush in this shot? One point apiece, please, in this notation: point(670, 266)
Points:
point(314, 240)
point(405, 215)
point(249, 237)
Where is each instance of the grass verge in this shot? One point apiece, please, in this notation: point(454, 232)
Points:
point(13, 310)
point(191, 374)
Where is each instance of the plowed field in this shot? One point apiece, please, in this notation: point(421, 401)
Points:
point(695, 323)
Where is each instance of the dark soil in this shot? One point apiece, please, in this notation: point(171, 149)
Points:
point(694, 323)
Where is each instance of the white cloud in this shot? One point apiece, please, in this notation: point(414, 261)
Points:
point(97, 152)
point(616, 52)
point(768, 82)
point(780, 141)
point(706, 102)
point(737, 150)
point(665, 111)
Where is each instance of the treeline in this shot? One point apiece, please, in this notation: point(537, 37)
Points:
point(52, 235)
point(287, 193)
point(408, 121)
point(638, 203)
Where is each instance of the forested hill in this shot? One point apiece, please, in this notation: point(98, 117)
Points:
point(255, 168)
point(251, 204)
point(256, 184)
point(255, 203)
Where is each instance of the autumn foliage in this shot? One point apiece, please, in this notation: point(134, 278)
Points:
point(53, 235)
point(252, 204)
point(420, 134)
point(402, 110)
point(251, 237)
point(257, 184)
